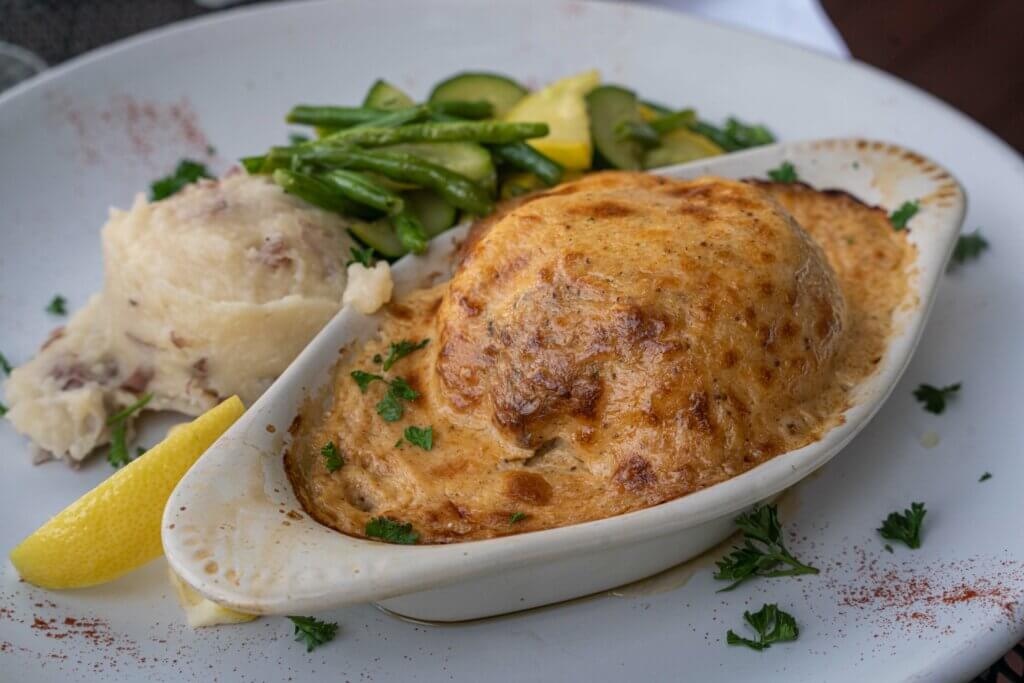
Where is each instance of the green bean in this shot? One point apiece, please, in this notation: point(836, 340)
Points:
point(313, 191)
point(332, 117)
point(638, 131)
point(325, 116)
point(684, 118)
point(464, 109)
point(363, 190)
point(520, 155)
point(457, 189)
point(494, 132)
point(411, 232)
point(391, 119)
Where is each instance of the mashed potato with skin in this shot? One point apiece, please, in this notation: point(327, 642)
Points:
point(368, 288)
point(209, 293)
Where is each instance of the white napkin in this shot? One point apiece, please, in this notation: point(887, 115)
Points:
point(798, 21)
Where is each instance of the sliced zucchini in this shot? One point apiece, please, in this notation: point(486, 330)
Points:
point(383, 95)
point(611, 108)
point(684, 118)
point(502, 92)
point(380, 235)
point(434, 213)
point(652, 110)
point(518, 184)
point(678, 147)
point(466, 158)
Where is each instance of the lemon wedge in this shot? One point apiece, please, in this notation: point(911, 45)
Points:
point(115, 528)
point(200, 611)
point(561, 105)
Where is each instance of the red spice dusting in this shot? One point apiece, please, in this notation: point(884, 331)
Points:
point(900, 595)
point(124, 128)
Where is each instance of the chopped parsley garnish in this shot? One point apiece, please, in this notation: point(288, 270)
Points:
point(763, 552)
point(187, 172)
point(365, 379)
point(968, 247)
point(57, 306)
point(420, 436)
point(391, 531)
point(118, 455)
point(313, 632)
point(772, 626)
point(786, 173)
point(332, 458)
point(4, 365)
point(516, 517)
point(985, 477)
point(905, 527)
point(362, 255)
point(3, 410)
point(888, 548)
point(390, 407)
point(934, 398)
point(397, 352)
point(901, 216)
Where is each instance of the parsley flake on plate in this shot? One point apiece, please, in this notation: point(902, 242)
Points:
point(118, 455)
point(57, 306)
point(187, 172)
point(904, 527)
point(397, 352)
point(772, 626)
point(4, 365)
point(363, 256)
point(3, 410)
point(786, 173)
point(985, 477)
point(516, 517)
point(420, 436)
point(901, 216)
point(313, 632)
point(332, 458)
point(391, 531)
point(763, 552)
point(968, 247)
point(934, 398)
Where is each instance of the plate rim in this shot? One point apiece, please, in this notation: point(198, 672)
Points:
point(955, 661)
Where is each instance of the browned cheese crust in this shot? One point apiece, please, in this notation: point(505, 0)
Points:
point(609, 345)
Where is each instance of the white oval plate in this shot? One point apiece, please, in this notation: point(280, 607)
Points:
point(70, 146)
point(233, 527)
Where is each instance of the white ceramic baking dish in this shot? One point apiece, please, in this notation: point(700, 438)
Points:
point(234, 530)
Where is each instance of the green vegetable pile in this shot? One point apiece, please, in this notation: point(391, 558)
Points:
point(402, 172)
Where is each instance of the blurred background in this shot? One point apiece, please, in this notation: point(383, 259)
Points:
point(970, 53)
